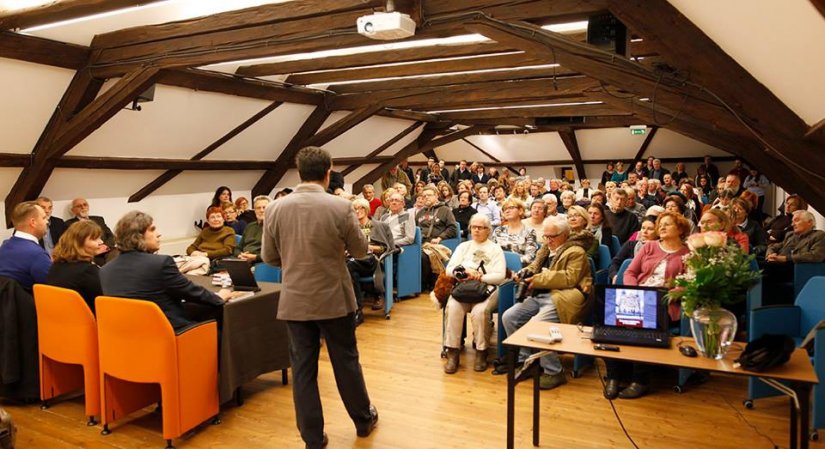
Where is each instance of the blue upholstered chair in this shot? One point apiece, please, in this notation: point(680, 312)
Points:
point(802, 272)
point(453, 242)
point(600, 276)
point(409, 268)
point(506, 296)
point(267, 273)
point(622, 269)
point(797, 321)
point(385, 259)
point(580, 362)
point(615, 246)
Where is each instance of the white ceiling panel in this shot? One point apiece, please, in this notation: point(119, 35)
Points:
point(208, 181)
point(608, 143)
point(522, 147)
point(30, 93)
point(8, 176)
point(366, 137)
point(267, 138)
point(667, 143)
point(68, 183)
point(397, 146)
point(458, 150)
point(290, 179)
point(177, 124)
point(776, 41)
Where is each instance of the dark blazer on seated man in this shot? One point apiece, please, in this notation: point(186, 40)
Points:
point(56, 228)
point(153, 277)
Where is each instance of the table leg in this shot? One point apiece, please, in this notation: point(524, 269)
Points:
point(803, 392)
point(536, 376)
point(511, 393)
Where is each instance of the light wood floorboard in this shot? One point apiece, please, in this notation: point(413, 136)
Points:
point(420, 407)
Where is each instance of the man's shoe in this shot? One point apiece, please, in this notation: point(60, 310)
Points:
point(324, 442)
point(359, 317)
point(635, 390)
point(480, 364)
point(378, 304)
point(611, 389)
point(550, 381)
point(452, 361)
point(367, 430)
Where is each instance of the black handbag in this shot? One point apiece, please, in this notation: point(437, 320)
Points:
point(766, 352)
point(473, 291)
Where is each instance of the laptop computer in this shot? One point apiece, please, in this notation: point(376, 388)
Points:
point(631, 315)
point(240, 271)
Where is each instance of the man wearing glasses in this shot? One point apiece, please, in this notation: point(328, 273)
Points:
point(437, 223)
point(558, 281)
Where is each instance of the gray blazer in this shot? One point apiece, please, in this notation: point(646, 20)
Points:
point(306, 234)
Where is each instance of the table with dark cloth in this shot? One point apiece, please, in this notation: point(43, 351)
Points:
point(253, 341)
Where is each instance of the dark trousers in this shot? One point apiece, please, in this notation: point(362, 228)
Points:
point(359, 268)
point(304, 347)
point(628, 371)
point(777, 284)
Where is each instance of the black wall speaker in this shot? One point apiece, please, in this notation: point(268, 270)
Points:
point(607, 33)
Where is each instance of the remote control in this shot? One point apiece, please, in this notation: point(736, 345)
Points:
point(556, 333)
point(546, 339)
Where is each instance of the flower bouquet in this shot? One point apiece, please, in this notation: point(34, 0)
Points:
point(716, 274)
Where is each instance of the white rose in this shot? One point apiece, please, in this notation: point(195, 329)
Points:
point(696, 241)
point(715, 239)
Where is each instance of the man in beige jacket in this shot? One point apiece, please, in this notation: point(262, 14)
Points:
point(308, 234)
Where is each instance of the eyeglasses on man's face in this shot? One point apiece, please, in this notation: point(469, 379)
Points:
point(478, 228)
point(551, 236)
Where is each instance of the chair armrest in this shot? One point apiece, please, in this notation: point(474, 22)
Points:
point(774, 320)
point(397, 250)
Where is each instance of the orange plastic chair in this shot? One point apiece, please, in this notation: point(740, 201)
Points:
point(67, 333)
point(142, 361)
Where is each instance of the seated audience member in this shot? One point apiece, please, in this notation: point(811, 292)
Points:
point(538, 212)
point(596, 197)
point(567, 198)
point(757, 184)
point(692, 204)
point(137, 273)
point(470, 255)
point(461, 173)
point(484, 205)
point(419, 185)
point(607, 175)
point(21, 257)
point(559, 280)
point(215, 241)
point(655, 265)
point(632, 246)
point(521, 192)
point(599, 226)
point(499, 194)
point(446, 195)
point(680, 173)
point(246, 214)
point(222, 195)
point(400, 221)
point(674, 203)
point(368, 193)
point(585, 191)
point(632, 206)
point(395, 176)
point(552, 205)
point(464, 212)
point(668, 184)
point(779, 227)
point(73, 264)
point(380, 240)
point(622, 222)
point(640, 169)
point(535, 189)
point(480, 177)
point(249, 248)
point(513, 235)
point(658, 171)
point(579, 221)
point(705, 189)
point(385, 202)
point(55, 226)
point(734, 182)
point(80, 210)
point(620, 174)
point(230, 218)
point(609, 188)
point(404, 190)
point(280, 194)
point(336, 182)
point(717, 220)
point(757, 241)
point(655, 191)
point(437, 223)
point(804, 245)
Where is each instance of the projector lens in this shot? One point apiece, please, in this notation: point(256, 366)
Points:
point(369, 27)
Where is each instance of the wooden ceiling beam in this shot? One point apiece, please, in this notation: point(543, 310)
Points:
point(172, 173)
point(490, 93)
point(334, 30)
point(452, 79)
point(179, 165)
point(58, 11)
point(568, 137)
point(231, 85)
point(778, 129)
point(816, 133)
point(42, 51)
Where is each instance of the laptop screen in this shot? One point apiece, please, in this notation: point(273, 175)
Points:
point(632, 307)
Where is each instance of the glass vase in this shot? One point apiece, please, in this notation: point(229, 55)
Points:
point(713, 328)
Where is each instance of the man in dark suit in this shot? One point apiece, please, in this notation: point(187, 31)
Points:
point(461, 173)
point(80, 210)
point(137, 273)
point(55, 227)
point(308, 234)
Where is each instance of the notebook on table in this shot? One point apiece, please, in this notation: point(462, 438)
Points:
point(240, 271)
point(631, 315)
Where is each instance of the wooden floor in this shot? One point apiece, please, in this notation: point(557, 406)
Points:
point(421, 407)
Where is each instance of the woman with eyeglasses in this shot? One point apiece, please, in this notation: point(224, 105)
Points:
point(739, 210)
point(470, 255)
point(579, 221)
point(655, 265)
point(513, 235)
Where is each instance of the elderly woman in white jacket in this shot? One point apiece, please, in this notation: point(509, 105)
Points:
point(469, 255)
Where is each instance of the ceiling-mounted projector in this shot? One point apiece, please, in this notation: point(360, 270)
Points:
point(386, 26)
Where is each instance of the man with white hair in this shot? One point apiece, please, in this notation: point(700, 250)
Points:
point(552, 204)
point(632, 206)
point(249, 247)
point(559, 279)
point(80, 210)
point(804, 245)
point(400, 221)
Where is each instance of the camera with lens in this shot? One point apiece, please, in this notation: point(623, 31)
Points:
point(460, 273)
point(523, 287)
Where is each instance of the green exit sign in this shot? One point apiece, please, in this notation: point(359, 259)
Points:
point(637, 131)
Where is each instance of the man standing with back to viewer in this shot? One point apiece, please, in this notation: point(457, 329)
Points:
point(308, 234)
